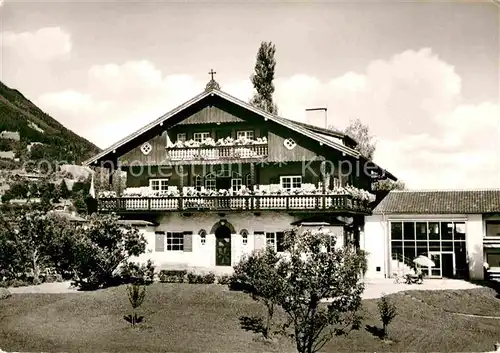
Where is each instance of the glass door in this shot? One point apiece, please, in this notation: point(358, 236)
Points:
point(448, 266)
point(435, 272)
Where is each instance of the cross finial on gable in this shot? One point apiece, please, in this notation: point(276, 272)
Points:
point(212, 84)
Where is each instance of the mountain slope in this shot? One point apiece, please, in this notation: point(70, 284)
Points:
point(17, 113)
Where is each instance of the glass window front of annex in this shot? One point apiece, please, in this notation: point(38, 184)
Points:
point(443, 242)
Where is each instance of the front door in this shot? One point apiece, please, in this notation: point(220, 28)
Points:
point(436, 270)
point(223, 246)
point(448, 264)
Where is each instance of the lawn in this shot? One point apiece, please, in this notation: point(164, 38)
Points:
point(203, 318)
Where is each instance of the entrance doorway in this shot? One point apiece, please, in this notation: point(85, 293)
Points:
point(435, 271)
point(223, 246)
point(445, 264)
point(448, 264)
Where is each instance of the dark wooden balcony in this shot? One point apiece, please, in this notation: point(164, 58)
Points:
point(215, 153)
point(254, 203)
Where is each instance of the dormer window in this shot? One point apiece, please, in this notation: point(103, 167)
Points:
point(248, 134)
point(201, 136)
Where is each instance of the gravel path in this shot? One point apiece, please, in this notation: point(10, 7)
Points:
point(56, 287)
point(374, 288)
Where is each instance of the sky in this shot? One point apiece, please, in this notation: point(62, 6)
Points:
point(424, 76)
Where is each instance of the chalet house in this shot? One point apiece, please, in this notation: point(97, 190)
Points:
point(216, 178)
point(458, 229)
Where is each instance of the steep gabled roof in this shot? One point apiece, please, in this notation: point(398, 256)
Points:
point(304, 129)
point(328, 132)
point(440, 202)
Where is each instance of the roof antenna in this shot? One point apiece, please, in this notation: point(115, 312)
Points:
point(326, 114)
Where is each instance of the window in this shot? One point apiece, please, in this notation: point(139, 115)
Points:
point(236, 184)
point(409, 231)
point(291, 182)
point(203, 236)
point(158, 184)
point(275, 240)
point(181, 136)
point(175, 241)
point(244, 236)
point(248, 181)
point(201, 136)
point(248, 134)
point(159, 241)
point(396, 230)
point(210, 183)
point(198, 182)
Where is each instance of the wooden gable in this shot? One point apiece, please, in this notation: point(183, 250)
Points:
point(279, 152)
point(221, 114)
point(211, 114)
point(157, 154)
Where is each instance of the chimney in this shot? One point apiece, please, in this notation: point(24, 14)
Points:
point(317, 117)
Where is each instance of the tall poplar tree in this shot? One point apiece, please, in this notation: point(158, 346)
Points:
point(262, 78)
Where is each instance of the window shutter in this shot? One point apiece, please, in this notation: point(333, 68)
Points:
point(188, 241)
point(280, 238)
point(159, 241)
point(259, 240)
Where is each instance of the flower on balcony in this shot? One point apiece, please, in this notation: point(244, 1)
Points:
point(259, 190)
point(227, 141)
point(223, 192)
point(244, 192)
point(106, 194)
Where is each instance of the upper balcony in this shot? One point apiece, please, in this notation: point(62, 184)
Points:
point(340, 200)
point(223, 150)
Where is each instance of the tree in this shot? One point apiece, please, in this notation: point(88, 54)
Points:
point(101, 248)
point(27, 236)
point(361, 134)
point(308, 274)
point(388, 185)
point(262, 78)
point(64, 235)
point(387, 311)
point(257, 272)
point(63, 190)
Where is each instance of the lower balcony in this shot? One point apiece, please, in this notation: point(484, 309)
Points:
point(253, 203)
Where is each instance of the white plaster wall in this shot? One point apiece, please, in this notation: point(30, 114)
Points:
point(475, 228)
point(203, 256)
point(374, 241)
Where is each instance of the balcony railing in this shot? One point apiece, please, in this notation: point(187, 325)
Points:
point(329, 203)
point(256, 151)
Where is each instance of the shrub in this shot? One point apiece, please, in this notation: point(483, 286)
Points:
point(194, 278)
point(208, 278)
point(136, 294)
point(387, 311)
point(17, 283)
point(224, 279)
point(51, 278)
point(102, 247)
point(172, 276)
point(132, 272)
point(4, 293)
point(313, 269)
